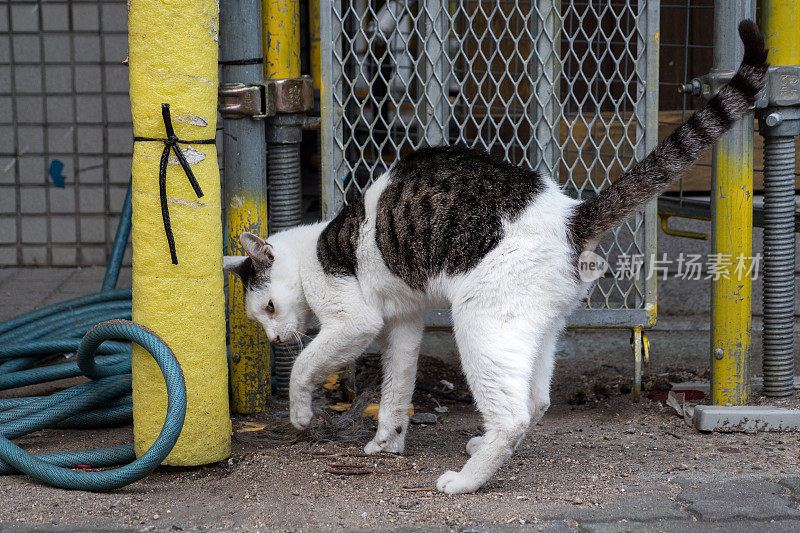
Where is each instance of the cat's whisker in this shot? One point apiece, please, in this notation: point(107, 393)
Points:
point(298, 340)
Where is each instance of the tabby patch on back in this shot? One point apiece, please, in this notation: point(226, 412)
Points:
point(444, 208)
point(336, 248)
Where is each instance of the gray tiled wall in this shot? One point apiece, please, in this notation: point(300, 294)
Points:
point(63, 98)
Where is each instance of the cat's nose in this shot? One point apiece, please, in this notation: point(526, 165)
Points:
point(277, 339)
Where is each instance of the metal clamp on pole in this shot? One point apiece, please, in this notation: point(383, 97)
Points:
point(256, 101)
point(708, 85)
point(294, 95)
point(779, 123)
point(293, 99)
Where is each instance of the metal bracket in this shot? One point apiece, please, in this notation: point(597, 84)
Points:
point(780, 115)
point(261, 100)
point(294, 95)
point(779, 121)
point(783, 86)
point(256, 101)
point(708, 85)
point(782, 89)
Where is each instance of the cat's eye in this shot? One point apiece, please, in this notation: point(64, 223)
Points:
point(270, 308)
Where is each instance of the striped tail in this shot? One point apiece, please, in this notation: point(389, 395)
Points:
point(670, 159)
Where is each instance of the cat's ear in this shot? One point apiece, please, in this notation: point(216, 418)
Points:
point(241, 265)
point(258, 250)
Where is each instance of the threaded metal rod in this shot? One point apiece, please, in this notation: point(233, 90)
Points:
point(779, 248)
point(285, 193)
point(285, 211)
point(284, 356)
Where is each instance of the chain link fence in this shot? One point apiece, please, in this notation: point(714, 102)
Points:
point(568, 88)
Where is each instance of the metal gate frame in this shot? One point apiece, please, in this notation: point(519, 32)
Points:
point(437, 19)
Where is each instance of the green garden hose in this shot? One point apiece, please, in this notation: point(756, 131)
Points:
point(29, 339)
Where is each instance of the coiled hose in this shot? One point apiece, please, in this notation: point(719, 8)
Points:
point(106, 400)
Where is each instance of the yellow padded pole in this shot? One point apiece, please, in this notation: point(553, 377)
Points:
point(281, 38)
point(173, 59)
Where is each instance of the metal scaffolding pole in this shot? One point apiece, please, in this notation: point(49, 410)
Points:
point(435, 66)
point(545, 104)
point(245, 199)
point(732, 225)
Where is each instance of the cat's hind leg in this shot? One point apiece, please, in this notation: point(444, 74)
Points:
point(497, 354)
point(474, 443)
point(539, 398)
point(402, 338)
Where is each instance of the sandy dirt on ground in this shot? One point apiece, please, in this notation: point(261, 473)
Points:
point(594, 449)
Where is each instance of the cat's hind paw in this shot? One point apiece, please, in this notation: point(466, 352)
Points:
point(456, 483)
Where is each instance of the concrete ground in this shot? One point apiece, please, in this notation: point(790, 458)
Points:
point(596, 462)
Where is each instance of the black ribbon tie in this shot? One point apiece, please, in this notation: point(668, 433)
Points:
point(171, 142)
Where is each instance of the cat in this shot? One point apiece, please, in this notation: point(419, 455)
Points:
point(497, 243)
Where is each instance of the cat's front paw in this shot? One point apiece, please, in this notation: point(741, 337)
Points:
point(456, 483)
point(300, 412)
point(378, 445)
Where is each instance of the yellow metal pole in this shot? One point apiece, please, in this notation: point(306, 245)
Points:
point(280, 23)
point(780, 24)
point(731, 228)
point(250, 353)
point(315, 44)
point(731, 297)
point(245, 197)
point(173, 60)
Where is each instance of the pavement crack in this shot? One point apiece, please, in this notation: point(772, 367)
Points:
point(685, 504)
point(790, 494)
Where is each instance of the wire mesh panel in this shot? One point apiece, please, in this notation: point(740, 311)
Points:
point(568, 88)
point(687, 52)
point(65, 133)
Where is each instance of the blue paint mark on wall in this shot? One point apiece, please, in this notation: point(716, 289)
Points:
point(56, 169)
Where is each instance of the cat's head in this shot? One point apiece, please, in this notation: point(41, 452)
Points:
point(273, 294)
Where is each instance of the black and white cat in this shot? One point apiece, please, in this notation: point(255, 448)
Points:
point(497, 243)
